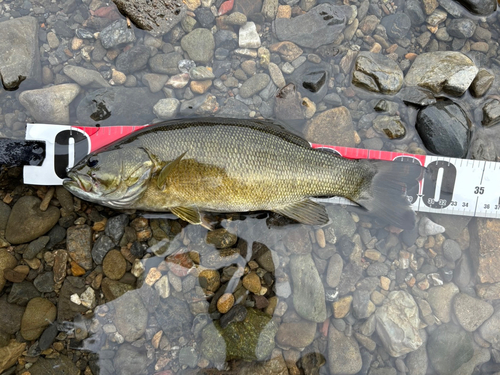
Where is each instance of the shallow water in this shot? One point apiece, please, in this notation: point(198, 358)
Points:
point(259, 295)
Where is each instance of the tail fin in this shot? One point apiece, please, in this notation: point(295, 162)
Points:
point(385, 196)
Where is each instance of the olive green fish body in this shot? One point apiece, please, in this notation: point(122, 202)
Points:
point(220, 165)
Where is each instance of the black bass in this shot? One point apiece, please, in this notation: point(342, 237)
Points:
point(191, 166)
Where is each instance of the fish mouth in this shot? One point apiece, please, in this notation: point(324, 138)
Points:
point(78, 182)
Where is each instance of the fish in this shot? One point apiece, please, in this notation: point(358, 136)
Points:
point(215, 165)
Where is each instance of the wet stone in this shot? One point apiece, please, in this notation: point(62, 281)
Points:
point(61, 365)
point(448, 348)
point(79, 242)
point(377, 269)
point(174, 317)
point(440, 298)
point(101, 247)
point(130, 360)
point(479, 7)
point(130, 316)
point(221, 238)
point(377, 73)
point(44, 282)
point(116, 34)
point(361, 305)
point(397, 25)
point(35, 247)
point(391, 126)
point(461, 28)
point(451, 250)
point(254, 84)
point(334, 270)
point(296, 334)
point(114, 265)
point(85, 77)
point(66, 309)
point(10, 319)
point(7, 261)
point(22, 292)
point(471, 312)
point(39, 313)
point(491, 113)
point(199, 44)
point(237, 313)
point(334, 127)
point(133, 60)
point(115, 227)
point(343, 353)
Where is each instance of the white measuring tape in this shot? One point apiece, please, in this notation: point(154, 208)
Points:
point(452, 186)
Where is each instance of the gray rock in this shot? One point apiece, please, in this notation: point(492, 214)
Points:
point(79, 243)
point(130, 360)
point(344, 356)
point(449, 347)
point(165, 63)
point(463, 272)
point(116, 34)
point(35, 247)
point(479, 7)
point(451, 250)
point(444, 128)
point(390, 126)
point(417, 96)
point(20, 60)
point(66, 309)
point(397, 25)
point(417, 361)
point(350, 276)
point(377, 73)
point(188, 357)
point(254, 84)
point(56, 235)
point(485, 144)
point(199, 45)
point(21, 293)
point(61, 365)
point(101, 247)
point(50, 105)
point(45, 282)
point(377, 269)
point(398, 324)
point(308, 291)
point(334, 270)
point(27, 222)
point(174, 317)
point(115, 227)
point(453, 225)
point(131, 317)
point(166, 108)
point(201, 73)
point(202, 105)
point(452, 7)
point(415, 12)
point(481, 355)
point(461, 28)
point(341, 221)
point(362, 307)
point(133, 59)
point(234, 108)
point(471, 312)
point(442, 71)
point(117, 106)
point(491, 113)
point(157, 18)
point(440, 298)
point(489, 330)
point(85, 77)
point(320, 25)
point(10, 318)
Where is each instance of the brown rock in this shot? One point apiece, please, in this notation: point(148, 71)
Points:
point(17, 274)
point(200, 87)
point(484, 249)
point(332, 127)
point(209, 280)
point(296, 334)
point(60, 260)
point(114, 265)
point(289, 51)
point(76, 270)
point(225, 302)
point(342, 307)
point(221, 238)
point(79, 242)
point(430, 6)
point(9, 354)
point(252, 282)
point(7, 261)
point(39, 313)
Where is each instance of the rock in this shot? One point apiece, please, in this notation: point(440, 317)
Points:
point(485, 144)
point(484, 251)
point(221, 238)
point(130, 360)
point(79, 242)
point(114, 265)
point(334, 270)
point(311, 80)
point(202, 105)
point(199, 45)
point(274, 366)
point(440, 298)
point(481, 355)
point(361, 305)
point(248, 36)
point(417, 360)
point(462, 28)
point(398, 323)
point(479, 7)
point(166, 108)
point(417, 96)
point(489, 331)
point(297, 240)
point(20, 61)
point(102, 245)
point(451, 250)
point(296, 334)
point(10, 354)
point(442, 71)
point(397, 25)
point(269, 9)
point(276, 75)
point(453, 225)
point(205, 17)
point(66, 309)
point(377, 269)
point(331, 127)
point(320, 25)
point(444, 128)
point(250, 339)
point(85, 77)
point(344, 356)
point(117, 34)
point(165, 63)
point(113, 289)
point(288, 51)
point(158, 18)
point(377, 73)
point(174, 317)
point(117, 106)
point(7, 261)
point(491, 113)
point(288, 104)
point(11, 316)
point(449, 347)
point(391, 126)
point(471, 312)
point(133, 59)
point(39, 313)
point(27, 222)
point(342, 307)
point(254, 84)
point(51, 104)
point(131, 316)
point(308, 296)
point(414, 11)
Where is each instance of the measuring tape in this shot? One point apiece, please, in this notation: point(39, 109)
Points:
point(451, 186)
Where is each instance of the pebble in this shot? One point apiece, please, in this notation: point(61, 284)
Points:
point(39, 313)
point(7, 261)
point(131, 316)
point(427, 227)
point(448, 348)
point(471, 312)
point(344, 356)
point(254, 84)
point(155, 82)
point(116, 34)
point(252, 282)
point(440, 298)
point(114, 265)
point(248, 36)
point(276, 75)
point(296, 334)
point(481, 84)
point(377, 73)
point(225, 303)
point(342, 307)
point(162, 286)
point(199, 45)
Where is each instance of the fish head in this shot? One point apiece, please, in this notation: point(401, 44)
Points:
point(115, 177)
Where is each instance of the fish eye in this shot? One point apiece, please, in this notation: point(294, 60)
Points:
point(92, 162)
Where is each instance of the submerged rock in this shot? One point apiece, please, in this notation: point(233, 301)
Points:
point(479, 7)
point(344, 356)
point(377, 73)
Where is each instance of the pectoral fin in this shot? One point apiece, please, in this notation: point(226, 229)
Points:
point(166, 170)
point(192, 215)
point(305, 211)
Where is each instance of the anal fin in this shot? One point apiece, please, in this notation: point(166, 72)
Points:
point(192, 215)
point(305, 211)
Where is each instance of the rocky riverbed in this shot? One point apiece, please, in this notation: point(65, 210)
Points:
point(87, 290)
